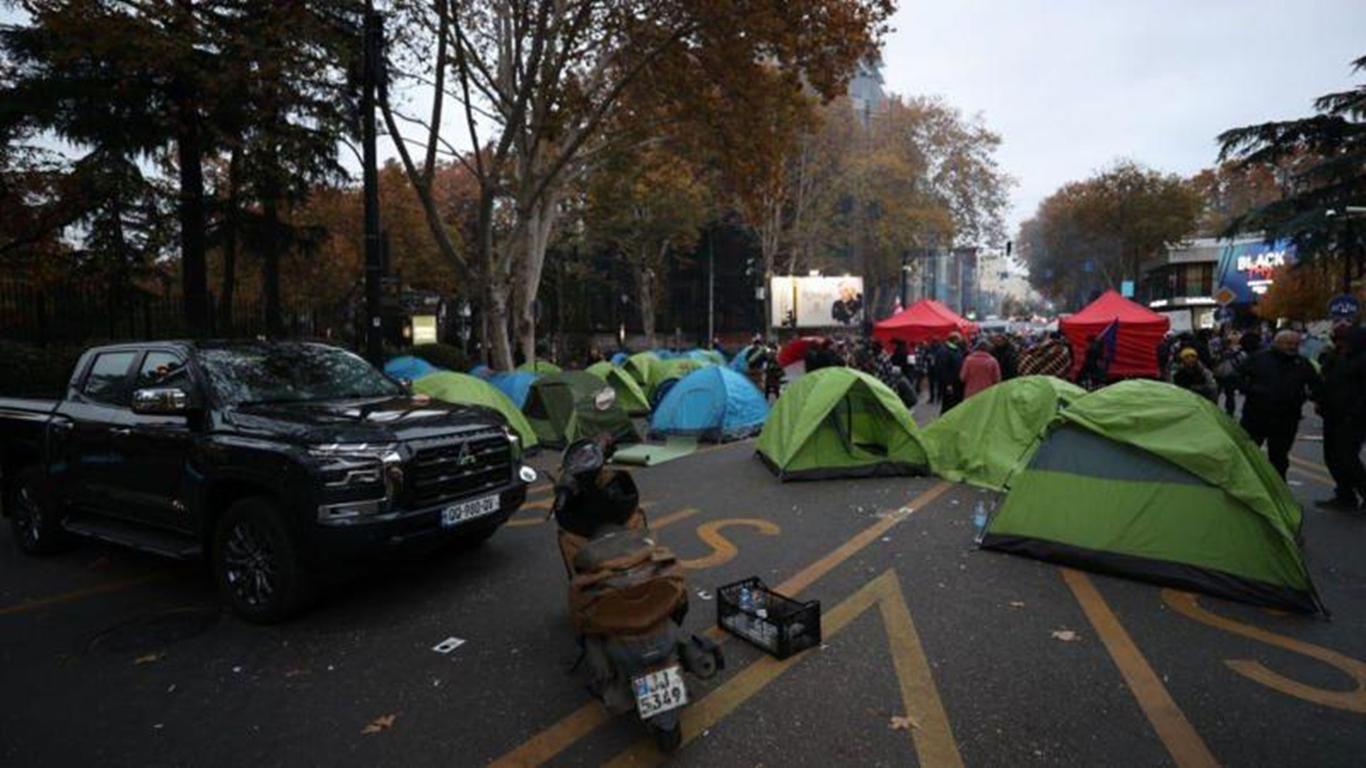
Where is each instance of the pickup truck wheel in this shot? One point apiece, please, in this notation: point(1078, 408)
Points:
point(257, 565)
point(36, 528)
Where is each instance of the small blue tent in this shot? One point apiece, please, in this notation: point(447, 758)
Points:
point(740, 363)
point(481, 371)
point(713, 403)
point(619, 358)
point(409, 368)
point(515, 384)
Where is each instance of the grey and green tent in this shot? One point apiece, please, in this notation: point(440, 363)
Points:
point(1147, 480)
point(983, 440)
point(571, 405)
point(451, 387)
point(838, 422)
point(630, 396)
point(666, 373)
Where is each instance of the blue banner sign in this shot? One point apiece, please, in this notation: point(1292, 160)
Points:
point(1249, 268)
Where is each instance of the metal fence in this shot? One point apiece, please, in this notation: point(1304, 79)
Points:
point(74, 313)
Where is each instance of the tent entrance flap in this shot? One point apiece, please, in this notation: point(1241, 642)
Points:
point(860, 421)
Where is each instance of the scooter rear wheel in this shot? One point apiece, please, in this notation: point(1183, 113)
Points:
point(668, 740)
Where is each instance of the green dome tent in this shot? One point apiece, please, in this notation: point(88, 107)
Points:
point(641, 367)
point(838, 422)
point(452, 387)
point(568, 406)
point(539, 366)
point(1147, 480)
point(630, 396)
point(985, 438)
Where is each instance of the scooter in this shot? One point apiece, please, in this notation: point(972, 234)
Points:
point(627, 596)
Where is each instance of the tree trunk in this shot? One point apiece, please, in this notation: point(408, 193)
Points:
point(270, 264)
point(495, 288)
point(645, 299)
point(538, 224)
point(229, 278)
point(194, 281)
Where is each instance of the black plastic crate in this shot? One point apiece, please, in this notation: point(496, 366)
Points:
point(779, 625)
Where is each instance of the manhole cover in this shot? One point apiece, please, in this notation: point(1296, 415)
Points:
point(156, 630)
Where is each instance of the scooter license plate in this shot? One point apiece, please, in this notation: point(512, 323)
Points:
point(660, 691)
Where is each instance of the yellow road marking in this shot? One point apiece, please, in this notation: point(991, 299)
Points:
point(932, 738)
point(1314, 476)
point(81, 594)
point(672, 517)
point(1188, 605)
point(1308, 464)
point(1180, 738)
point(722, 550)
point(558, 737)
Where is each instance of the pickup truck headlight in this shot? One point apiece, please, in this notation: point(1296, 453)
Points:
point(368, 475)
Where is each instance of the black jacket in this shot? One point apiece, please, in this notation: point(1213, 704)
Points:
point(1277, 385)
point(1344, 391)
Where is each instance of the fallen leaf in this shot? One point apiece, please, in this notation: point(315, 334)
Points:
point(1066, 635)
point(1016, 603)
point(149, 658)
point(898, 723)
point(295, 672)
point(381, 723)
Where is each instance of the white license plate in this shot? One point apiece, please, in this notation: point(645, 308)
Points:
point(660, 691)
point(456, 514)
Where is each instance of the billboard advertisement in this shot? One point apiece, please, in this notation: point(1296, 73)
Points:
point(817, 302)
point(1248, 268)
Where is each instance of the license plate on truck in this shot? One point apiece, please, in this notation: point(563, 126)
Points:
point(660, 691)
point(456, 514)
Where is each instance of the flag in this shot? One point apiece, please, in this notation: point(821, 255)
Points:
point(1110, 339)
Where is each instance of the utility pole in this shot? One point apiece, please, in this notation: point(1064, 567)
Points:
point(711, 288)
point(372, 68)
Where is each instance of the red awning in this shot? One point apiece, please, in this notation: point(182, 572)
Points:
point(795, 350)
point(925, 320)
point(1140, 332)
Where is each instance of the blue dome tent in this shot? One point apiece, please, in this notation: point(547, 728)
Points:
point(713, 403)
point(515, 384)
point(482, 371)
point(619, 358)
point(408, 367)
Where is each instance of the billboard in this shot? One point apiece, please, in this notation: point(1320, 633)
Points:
point(817, 302)
point(1248, 268)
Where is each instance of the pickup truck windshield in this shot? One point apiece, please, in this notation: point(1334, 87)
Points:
point(286, 373)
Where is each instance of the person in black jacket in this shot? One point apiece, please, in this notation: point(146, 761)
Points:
point(946, 369)
point(1006, 356)
point(1276, 382)
point(1343, 407)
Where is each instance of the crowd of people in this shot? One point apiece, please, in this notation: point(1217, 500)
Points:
point(1274, 381)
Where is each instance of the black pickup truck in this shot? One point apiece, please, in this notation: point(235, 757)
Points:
point(277, 462)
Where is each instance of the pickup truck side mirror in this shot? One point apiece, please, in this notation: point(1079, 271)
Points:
point(161, 401)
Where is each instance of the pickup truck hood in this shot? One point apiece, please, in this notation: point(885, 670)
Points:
point(360, 421)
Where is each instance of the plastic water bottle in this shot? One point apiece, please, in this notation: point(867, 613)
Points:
point(746, 609)
point(979, 521)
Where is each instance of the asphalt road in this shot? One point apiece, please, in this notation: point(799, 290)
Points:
point(934, 653)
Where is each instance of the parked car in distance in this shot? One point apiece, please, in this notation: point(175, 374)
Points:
point(274, 461)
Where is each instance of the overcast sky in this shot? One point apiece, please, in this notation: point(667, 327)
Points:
point(1073, 84)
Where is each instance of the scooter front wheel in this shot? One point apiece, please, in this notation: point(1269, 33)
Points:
point(668, 740)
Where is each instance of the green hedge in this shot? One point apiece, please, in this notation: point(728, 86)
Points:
point(27, 371)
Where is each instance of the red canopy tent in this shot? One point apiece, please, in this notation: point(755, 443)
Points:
point(1140, 331)
point(925, 320)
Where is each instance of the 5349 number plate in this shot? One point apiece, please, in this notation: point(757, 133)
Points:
point(660, 691)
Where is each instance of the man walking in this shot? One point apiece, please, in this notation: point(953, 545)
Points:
point(1343, 407)
point(980, 370)
point(1276, 382)
point(947, 370)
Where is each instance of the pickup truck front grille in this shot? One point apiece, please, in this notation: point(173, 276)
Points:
point(458, 467)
